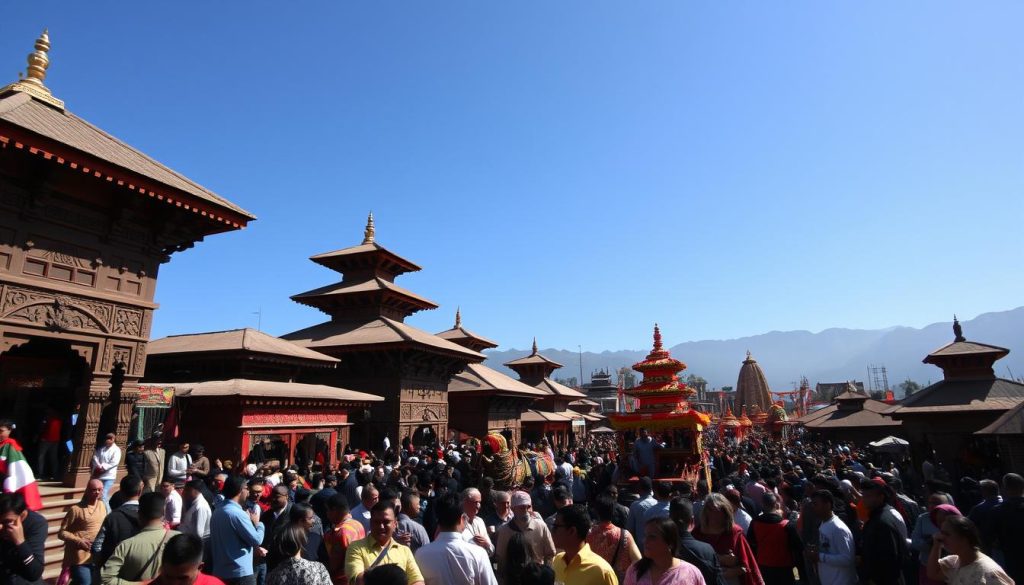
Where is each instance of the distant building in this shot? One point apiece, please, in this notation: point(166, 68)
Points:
point(752, 387)
point(602, 390)
point(826, 391)
point(550, 417)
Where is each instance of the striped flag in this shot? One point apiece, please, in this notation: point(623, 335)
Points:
point(18, 474)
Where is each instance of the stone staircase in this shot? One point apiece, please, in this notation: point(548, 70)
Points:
point(56, 501)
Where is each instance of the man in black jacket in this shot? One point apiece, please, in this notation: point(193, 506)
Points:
point(122, 523)
point(883, 545)
point(22, 542)
point(697, 553)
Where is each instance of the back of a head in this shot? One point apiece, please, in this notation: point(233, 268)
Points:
point(538, 574)
point(131, 485)
point(1013, 484)
point(644, 485)
point(449, 510)
point(769, 502)
point(681, 511)
point(663, 490)
point(604, 507)
point(151, 507)
point(298, 512)
point(339, 503)
point(289, 540)
point(989, 489)
point(561, 494)
point(385, 575)
point(182, 549)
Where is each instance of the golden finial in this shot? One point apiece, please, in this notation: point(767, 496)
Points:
point(534, 346)
point(458, 317)
point(38, 61)
point(32, 81)
point(368, 235)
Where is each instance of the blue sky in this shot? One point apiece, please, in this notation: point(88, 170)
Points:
point(574, 170)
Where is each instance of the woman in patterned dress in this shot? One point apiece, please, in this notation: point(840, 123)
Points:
point(295, 570)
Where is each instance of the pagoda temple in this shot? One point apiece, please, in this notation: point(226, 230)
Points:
point(380, 354)
point(943, 418)
point(479, 389)
point(86, 221)
point(663, 410)
point(752, 387)
point(550, 416)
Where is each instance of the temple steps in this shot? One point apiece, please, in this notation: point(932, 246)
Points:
point(56, 500)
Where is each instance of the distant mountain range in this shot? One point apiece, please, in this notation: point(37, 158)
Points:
point(833, 355)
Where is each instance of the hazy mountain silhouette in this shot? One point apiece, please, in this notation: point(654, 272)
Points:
point(832, 355)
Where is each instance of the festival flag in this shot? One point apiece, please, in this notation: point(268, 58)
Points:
point(18, 474)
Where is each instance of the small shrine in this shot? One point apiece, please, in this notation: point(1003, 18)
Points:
point(729, 427)
point(664, 412)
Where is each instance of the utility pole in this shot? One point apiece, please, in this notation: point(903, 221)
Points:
point(580, 383)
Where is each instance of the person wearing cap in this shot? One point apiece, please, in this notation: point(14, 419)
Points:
point(883, 545)
point(533, 534)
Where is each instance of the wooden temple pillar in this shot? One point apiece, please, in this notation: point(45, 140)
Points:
point(97, 395)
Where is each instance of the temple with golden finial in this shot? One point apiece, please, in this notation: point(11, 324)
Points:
point(481, 400)
point(663, 412)
point(380, 353)
point(549, 417)
point(86, 221)
point(752, 388)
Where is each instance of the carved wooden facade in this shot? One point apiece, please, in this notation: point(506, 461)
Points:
point(81, 242)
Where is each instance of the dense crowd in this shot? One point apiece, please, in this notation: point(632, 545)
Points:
point(767, 512)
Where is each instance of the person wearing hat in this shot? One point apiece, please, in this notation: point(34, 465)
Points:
point(524, 530)
point(135, 461)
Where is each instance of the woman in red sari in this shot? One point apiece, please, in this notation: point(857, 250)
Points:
point(739, 565)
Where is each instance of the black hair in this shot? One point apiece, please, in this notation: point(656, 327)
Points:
point(131, 485)
point(182, 549)
point(12, 502)
point(824, 496)
point(151, 507)
point(196, 484)
point(644, 485)
point(302, 496)
point(388, 494)
point(1013, 482)
point(576, 518)
point(537, 574)
point(669, 532)
point(449, 510)
point(561, 493)
point(769, 501)
point(384, 505)
point(339, 503)
point(663, 489)
point(290, 540)
point(257, 481)
point(7, 423)
point(233, 486)
point(385, 575)
point(681, 512)
point(297, 513)
point(604, 507)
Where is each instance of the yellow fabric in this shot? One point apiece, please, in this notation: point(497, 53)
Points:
point(363, 552)
point(586, 568)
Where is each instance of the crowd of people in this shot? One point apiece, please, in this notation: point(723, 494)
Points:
point(766, 513)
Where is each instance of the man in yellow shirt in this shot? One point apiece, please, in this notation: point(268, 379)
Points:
point(379, 548)
point(578, 565)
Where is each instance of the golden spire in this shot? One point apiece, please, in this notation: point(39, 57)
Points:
point(32, 81)
point(38, 61)
point(458, 317)
point(368, 235)
point(534, 346)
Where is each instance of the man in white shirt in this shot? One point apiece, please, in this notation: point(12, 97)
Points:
point(834, 556)
point(450, 559)
point(178, 464)
point(104, 465)
point(172, 503)
point(195, 518)
point(474, 528)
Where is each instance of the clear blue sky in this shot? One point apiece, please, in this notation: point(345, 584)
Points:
point(575, 170)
